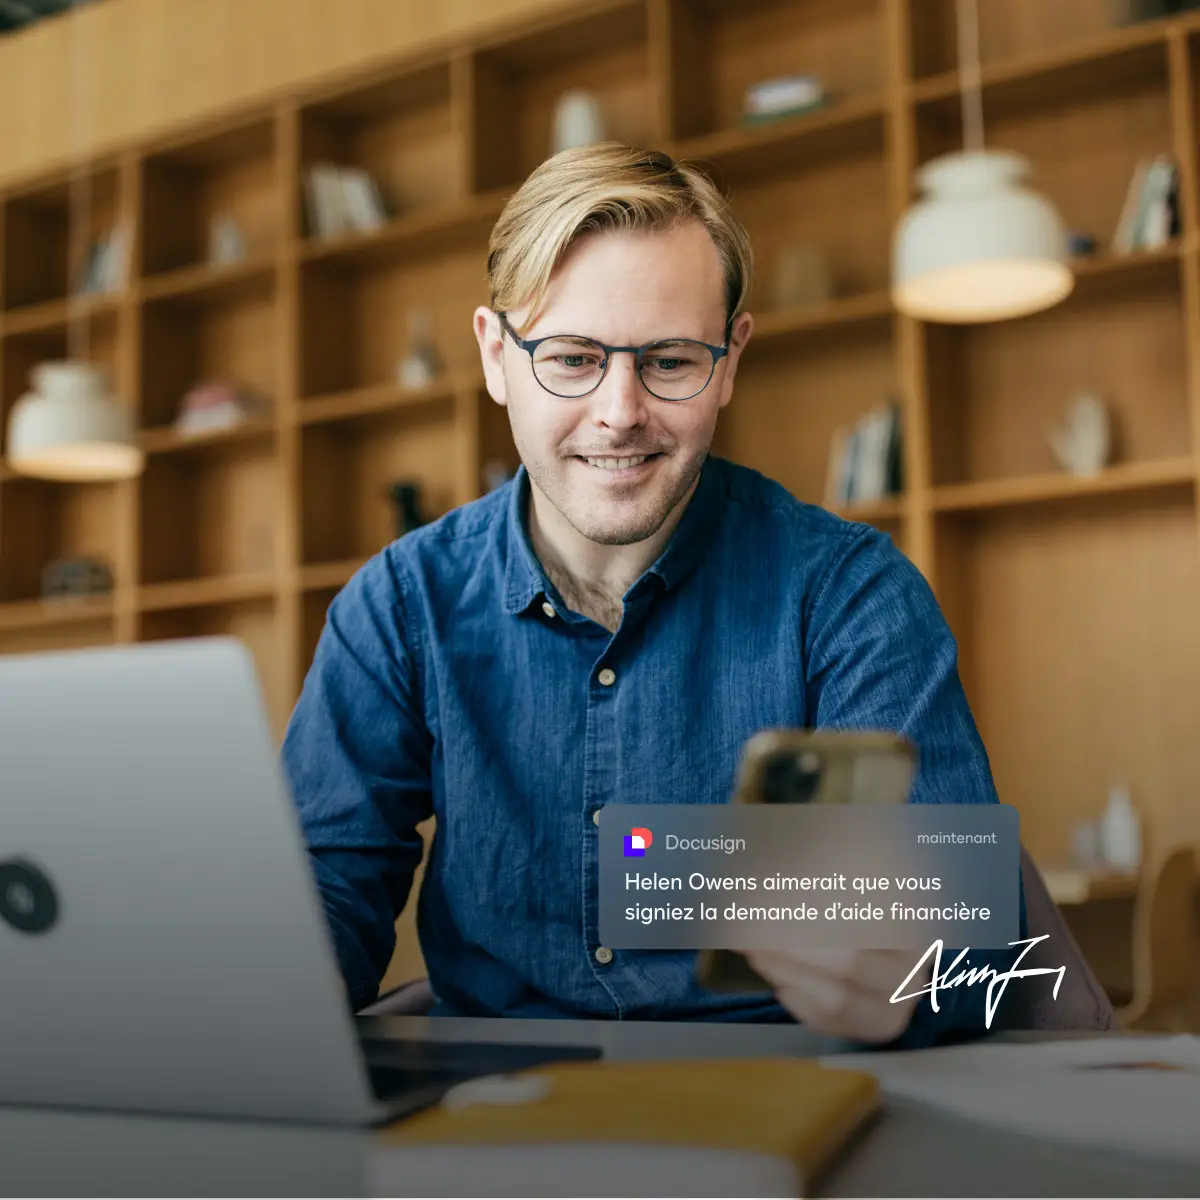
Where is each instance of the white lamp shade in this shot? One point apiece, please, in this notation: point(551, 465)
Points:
point(979, 246)
point(70, 429)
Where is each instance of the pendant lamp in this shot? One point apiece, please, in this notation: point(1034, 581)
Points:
point(980, 245)
point(70, 427)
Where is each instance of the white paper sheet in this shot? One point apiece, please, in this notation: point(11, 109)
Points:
point(1135, 1093)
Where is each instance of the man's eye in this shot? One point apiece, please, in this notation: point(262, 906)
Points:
point(666, 364)
point(572, 360)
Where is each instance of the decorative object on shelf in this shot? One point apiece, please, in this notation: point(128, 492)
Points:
point(106, 264)
point(1121, 831)
point(76, 577)
point(215, 405)
point(785, 96)
point(405, 497)
point(1083, 443)
point(1081, 245)
point(226, 241)
point(578, 121)
point(1150, 216)
point(421, 364)
point(1085, 844)
point(980, 245)
point(802, 276)
point(69, 427)
point(495, 474)
point(343, 200)
point(865, 462)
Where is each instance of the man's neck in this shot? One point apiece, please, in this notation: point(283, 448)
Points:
point(593, 577)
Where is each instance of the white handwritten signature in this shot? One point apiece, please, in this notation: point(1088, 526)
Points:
point(941, 979)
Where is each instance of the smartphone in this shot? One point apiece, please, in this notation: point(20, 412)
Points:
point(807, 766)
point(825, 766)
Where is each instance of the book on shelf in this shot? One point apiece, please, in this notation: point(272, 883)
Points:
point(343, 200)
point(1150, 215)
point(865, 460)
point(106, 267)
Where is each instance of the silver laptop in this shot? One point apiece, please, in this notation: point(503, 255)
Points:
point(162, 943)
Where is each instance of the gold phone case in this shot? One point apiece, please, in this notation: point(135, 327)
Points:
point(803, 766)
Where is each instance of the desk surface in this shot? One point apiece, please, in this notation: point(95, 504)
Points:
point(912, 1150)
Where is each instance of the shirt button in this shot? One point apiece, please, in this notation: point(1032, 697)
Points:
point(607, 677)
point(596, 817)
point(548, 609)
point(603, 955)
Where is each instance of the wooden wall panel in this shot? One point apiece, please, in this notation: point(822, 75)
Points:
point(145, 66)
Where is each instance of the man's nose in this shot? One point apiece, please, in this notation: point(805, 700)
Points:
point(620, 400)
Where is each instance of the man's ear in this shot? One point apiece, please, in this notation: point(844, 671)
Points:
point(490, 337)
point(739, 335)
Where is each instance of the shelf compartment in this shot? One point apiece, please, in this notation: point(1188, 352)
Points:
point(356, 320)
point(781, 325)
point(996, 390)
point(21, 615)
point(207, 283)
point(59, 314)
point(516, 82)
point(853, 126)
point(367, 401)
point(348, 467)
point(329, 576)
point(41, 265)
point(1026, 40)
point(252, 620)
point(43, 522)
point(1079, 649)
point(203, 593)
point(718, 50)
point(1042, 489)
point(789, 401)
point(56, 635)
point(839, 213)
point(169, 440)
point(421, 234)
point(400, 130)
point(210, 516)
point(189, 184)
point(224, 333)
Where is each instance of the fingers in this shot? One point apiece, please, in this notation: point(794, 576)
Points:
point(841, 993)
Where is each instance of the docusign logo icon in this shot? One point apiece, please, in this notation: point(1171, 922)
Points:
point(637, 842)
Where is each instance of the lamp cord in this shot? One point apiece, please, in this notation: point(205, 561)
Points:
point(967, 20)
point(80, 202)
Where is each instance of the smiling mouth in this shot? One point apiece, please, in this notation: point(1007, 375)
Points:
point(621, 463)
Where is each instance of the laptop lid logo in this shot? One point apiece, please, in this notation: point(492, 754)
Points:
point(28, 901)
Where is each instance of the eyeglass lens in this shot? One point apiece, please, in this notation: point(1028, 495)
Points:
point(675, 370)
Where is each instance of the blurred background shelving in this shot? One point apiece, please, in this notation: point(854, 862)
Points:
point(1074, 601)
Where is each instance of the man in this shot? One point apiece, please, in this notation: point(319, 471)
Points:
point(611, 626)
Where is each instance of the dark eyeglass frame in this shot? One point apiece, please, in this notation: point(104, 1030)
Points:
point(529, 345)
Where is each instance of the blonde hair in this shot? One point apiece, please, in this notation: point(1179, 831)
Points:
point(604, 186)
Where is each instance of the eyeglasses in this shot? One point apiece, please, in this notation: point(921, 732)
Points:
point(572, 367)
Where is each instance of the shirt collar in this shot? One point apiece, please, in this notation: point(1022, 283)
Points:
point(525, 580)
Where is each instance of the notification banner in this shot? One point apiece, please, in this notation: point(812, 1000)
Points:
point(766, 877)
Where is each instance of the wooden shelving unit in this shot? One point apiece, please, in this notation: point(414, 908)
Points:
point(1076, 602)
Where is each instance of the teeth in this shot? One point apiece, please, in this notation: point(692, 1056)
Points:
point(617, 464)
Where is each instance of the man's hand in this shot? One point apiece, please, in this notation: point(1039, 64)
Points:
point(844, 993)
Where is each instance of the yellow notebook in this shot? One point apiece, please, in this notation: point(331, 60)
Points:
point(784, 1108)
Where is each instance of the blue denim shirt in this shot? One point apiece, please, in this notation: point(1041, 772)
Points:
point(452, 680)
